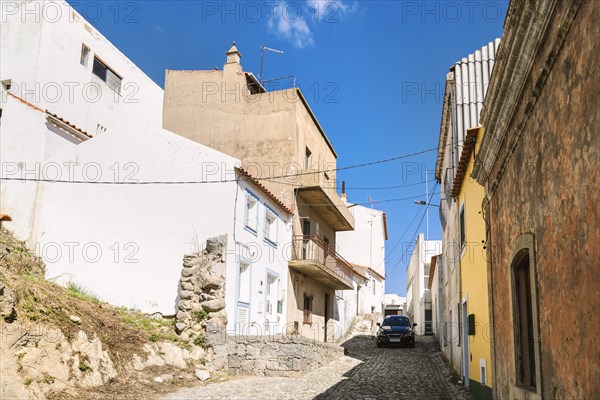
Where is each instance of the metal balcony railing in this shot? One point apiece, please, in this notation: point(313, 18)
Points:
point(314, 250)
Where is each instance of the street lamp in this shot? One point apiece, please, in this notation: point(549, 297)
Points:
point(424, 203)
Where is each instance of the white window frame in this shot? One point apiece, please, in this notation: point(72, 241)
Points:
point(84, 58)
point(271, 230)
point(250, 221)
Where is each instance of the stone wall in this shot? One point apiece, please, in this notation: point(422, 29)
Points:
point(272, 355)
point(202, 289)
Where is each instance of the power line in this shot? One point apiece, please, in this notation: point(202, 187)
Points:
point(23, 179)
point(419, 226)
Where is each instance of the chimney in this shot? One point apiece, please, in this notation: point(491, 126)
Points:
point(344, 200)
point(233, 58)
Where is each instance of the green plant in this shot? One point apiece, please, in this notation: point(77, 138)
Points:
point(200, 340)
point(200, 315)
point(84, 367)
point(82, 293)
point(27, 381)
point(153, 337)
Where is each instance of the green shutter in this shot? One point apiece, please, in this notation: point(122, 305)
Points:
point(471, 327)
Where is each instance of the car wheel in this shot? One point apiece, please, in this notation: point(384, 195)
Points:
point(379, 345)
point(412, 345)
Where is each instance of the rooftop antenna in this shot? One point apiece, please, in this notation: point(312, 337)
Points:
point(262, 57)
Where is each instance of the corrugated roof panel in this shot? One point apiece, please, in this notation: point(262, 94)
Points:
point(472, 79)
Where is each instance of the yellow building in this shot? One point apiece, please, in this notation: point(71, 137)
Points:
point(476, 348)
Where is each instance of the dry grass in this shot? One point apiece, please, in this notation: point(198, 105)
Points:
point(122, 332)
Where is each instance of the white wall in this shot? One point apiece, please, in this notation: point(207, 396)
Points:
point(141, 231)
point(265, 257)
point(40, 43)
point(365, 246)
point(415, 278)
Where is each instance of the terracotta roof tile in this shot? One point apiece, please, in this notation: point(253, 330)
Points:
point(266, 191)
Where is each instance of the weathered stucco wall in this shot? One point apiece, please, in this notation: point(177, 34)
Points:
point(549, 188)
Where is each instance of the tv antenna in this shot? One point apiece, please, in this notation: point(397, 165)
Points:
point(262, 57)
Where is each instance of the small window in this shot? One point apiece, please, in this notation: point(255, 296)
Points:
point(85, 55)
point(307, 159)
point(463, 236)
point(525, 342)
point(251, 212)
point(270, 226)
point(308, 300)
point(103, 72)
point(244, 283)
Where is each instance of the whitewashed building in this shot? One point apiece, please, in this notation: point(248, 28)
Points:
point(109, 199)
point(418, 296)
point(125, 242)
point(394, 304)
point(364, 249)
point(57, 63)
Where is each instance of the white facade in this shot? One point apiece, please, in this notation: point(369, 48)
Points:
point(42, 46)
point(418, 296)
point(126, 242)
point(42, 64)
point(364, 247)
point(394, 304)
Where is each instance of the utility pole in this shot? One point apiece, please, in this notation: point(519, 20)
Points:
point(427, 200)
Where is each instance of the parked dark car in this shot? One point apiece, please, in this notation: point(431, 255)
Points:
point(396, 329)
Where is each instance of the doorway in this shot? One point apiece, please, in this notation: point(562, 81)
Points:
point(305, 234)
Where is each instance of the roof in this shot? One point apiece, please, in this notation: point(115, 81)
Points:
point(463, 163)
point(466, 87)
point(68, 124)
point(369, 269)
point(266, 191)
point(432, 271)
point(385, 231)
point(51, 115)
point(360, 270)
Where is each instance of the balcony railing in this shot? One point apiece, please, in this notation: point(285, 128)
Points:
point(333, 269)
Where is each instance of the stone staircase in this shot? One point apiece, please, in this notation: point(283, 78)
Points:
point(361, 327)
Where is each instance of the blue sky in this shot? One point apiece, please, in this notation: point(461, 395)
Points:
point(372, 71)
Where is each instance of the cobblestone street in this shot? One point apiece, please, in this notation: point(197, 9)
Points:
point(365, 372)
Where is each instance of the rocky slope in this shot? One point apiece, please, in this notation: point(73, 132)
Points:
point(60, 342)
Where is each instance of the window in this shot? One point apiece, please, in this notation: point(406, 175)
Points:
point(482, 372)
point(85, 55)
point(103, 72)
point(525, 351)
point(463, 235)
point(251, 218)
point(524, 304)
point(270, 226)
point(307, 159)
point(308, 303)
point(244, 283)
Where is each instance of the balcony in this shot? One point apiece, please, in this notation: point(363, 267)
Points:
point(315, 258)
point(315, 189)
